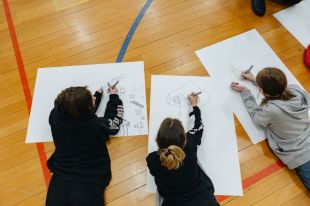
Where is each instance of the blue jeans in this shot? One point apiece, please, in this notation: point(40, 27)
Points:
point(303, 172)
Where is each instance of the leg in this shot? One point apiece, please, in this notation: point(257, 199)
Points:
point(57, 193)
point(86, 194)
point(303, 172)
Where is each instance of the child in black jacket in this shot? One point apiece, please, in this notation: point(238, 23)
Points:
point(80, 163)
point(180, 180)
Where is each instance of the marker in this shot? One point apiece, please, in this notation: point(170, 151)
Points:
point(114, 85)
point(195, 94)
point(249, 69)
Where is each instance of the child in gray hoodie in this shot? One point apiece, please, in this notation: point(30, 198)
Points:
point(283, 113)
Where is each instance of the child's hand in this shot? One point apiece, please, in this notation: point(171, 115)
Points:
point(113, 91)
point(237, 87)
point(100, 90)
point(248, 76)
point(193, 99)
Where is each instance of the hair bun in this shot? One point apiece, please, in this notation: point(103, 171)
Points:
point(172, 157)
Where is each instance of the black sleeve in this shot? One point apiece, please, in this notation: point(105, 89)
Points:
point(195, 133)
point(51, 116)
point(149, 163)
point(98, 96)
point(113, 116)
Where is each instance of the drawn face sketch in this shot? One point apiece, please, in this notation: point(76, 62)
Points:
point(179, 98)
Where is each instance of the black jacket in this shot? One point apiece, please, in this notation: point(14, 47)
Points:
point(80, 152)
point(187, 185)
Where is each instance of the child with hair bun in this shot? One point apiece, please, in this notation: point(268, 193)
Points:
point(180, 180)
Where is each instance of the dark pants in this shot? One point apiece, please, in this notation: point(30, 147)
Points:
point(205, 199)
point(303, 172)
point(66, 193)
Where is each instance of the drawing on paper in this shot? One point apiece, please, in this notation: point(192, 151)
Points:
point(132, 97)
point(236, 73)
point(139, 126)
point(125, 127)
point(179, 98)
point(137, 104)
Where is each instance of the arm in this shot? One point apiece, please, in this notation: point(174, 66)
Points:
point(113, 116)
point(260, 115)
point(195, 133)
point(149, 163)
point(98, 96)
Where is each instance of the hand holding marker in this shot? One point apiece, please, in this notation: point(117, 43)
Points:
point(246, 72)
point(195, 94)
point(193, 98)
point(112, 88)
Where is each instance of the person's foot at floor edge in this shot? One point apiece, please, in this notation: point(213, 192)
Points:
point(259, 7)
point(289, 2)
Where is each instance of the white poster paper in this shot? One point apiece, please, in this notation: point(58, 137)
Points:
point(218, 152)
point(296, 19)
point(51, 81)
point(225, 60)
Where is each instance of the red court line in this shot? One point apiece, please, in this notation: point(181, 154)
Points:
point(23, 77)
point(256, 177)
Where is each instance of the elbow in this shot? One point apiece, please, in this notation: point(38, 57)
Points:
point(114, 131)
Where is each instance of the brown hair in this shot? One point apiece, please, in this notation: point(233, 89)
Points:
point(273, 82)
point(171, 139)
point(75, 101)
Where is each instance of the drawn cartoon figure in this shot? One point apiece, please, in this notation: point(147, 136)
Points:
point(124, 127)
point(178, 98)
point(139, 126)
point(121, 92)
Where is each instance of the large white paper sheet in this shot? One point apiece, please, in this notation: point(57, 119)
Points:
point(296, 19)
point(225, 60)
point(51, 81)
point(218, 153)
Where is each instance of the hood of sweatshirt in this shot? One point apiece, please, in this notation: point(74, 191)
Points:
point(297, 107)
point(65, 123)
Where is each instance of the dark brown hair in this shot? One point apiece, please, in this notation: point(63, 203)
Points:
point(75, 101)
point(171, 139)
point(273, 82)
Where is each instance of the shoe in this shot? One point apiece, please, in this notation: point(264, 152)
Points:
point(259, 7)
point(289, 2)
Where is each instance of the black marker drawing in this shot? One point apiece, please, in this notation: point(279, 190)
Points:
point(137, 104)
point(139, 126)
point(124, 127)
point(179, 98)
point(132, 95)
point(138, 111)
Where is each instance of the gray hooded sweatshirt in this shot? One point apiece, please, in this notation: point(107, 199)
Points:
point(286, 125)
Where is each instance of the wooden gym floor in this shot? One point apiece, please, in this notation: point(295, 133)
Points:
point(45, 33)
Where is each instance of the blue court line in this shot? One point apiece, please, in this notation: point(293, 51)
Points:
point(132, 30)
